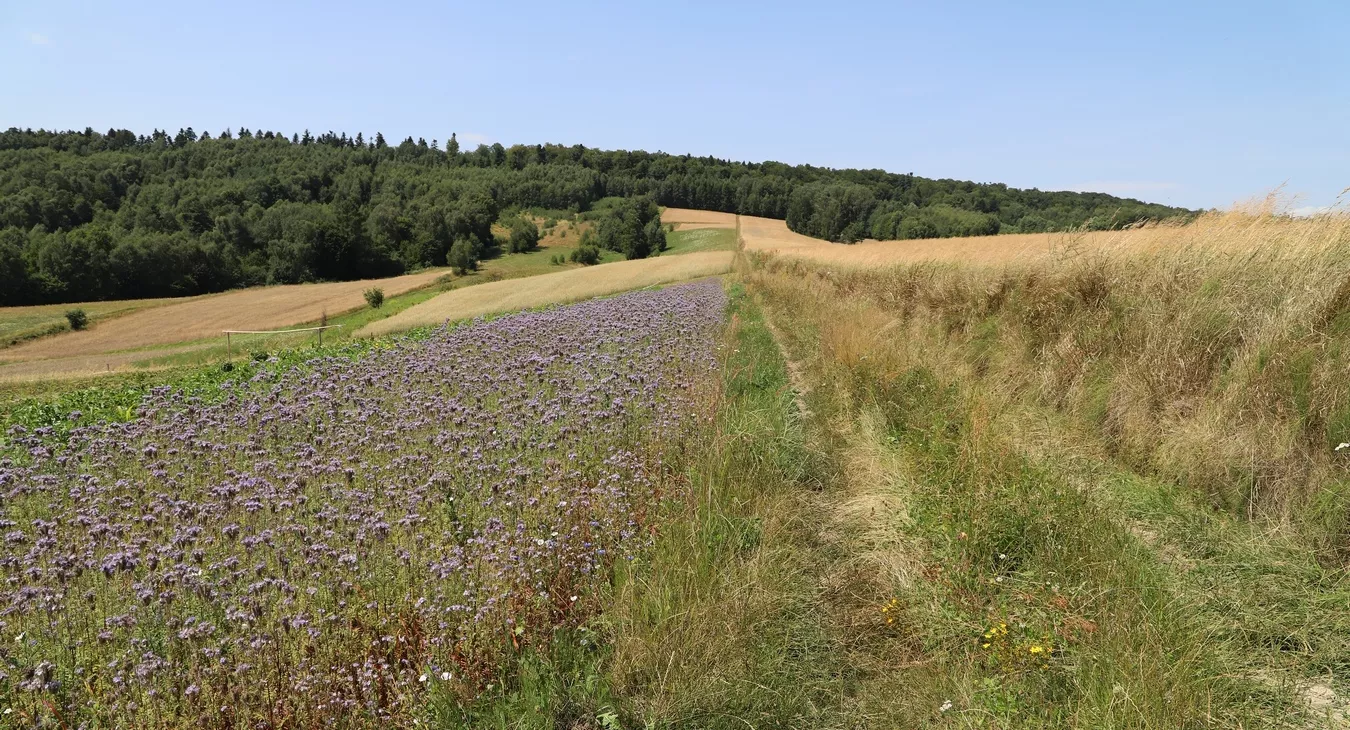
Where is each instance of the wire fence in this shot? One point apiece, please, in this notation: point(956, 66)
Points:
point(229, 345)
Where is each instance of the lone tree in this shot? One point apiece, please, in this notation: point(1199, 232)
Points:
point(462, 256)
point(524, 236)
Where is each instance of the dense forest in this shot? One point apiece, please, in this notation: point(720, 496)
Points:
point(89, 215)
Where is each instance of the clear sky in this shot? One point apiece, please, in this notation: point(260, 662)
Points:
point(1190, 103)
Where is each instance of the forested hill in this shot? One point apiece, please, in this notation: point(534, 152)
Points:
point(88, 215)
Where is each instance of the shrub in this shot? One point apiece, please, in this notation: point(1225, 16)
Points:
point(586, 255)
point(77, 318)
point(462, 256)
point(524, 236)
point(374, 297)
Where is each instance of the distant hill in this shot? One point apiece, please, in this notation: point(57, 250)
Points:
point(88, 215)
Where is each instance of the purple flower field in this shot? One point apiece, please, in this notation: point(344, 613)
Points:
point(334, 543)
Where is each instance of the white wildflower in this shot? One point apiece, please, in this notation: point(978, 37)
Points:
point(945, 706)
point(446, 676)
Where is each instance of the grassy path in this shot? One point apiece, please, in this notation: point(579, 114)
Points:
point(1028, 580)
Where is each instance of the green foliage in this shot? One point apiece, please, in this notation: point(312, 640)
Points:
point(833, 212)
point(374, 297)
point(585, 254)
point(77, 318)
point(524, 236)
point(632, 227)
point(462, 257)
point(892, 221)
point(87, 216)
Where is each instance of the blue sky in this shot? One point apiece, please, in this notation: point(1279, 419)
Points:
point(1189, 103)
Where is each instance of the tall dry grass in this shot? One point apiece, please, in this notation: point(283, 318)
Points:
point(1127, 451)
point(1214, 353)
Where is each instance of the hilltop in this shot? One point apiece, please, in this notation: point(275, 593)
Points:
point(97, 216)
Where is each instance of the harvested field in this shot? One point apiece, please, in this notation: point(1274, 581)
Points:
point(81, 366)
point(22, 323)
point(565, 286)
point(187, 320)
point(688, 219)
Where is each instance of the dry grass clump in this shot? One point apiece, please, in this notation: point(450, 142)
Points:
point(685, 219)
point(565, 286)
point(1215, 353)
point(270, 307)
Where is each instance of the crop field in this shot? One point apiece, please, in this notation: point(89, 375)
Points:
point(346, 542)
point(685, 219)
point(269, 307)
point(21, 323)
point(772, 236)
point(564, 286)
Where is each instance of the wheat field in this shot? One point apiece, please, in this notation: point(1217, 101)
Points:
point(560, 288)
point(686, 219)
point(1235, 231)
point(199, 318)
point(772, 236)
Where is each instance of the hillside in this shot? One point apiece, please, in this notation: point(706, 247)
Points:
point(90, 216)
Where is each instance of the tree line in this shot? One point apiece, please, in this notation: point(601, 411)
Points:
point(89, 215)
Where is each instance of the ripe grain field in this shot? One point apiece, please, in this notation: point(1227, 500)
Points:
point(768, 235)
point(686, 219)
point(270, 307)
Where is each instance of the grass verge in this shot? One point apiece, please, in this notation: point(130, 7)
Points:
point(1025, 583)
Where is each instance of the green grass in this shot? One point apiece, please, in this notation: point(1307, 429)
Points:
point(1038, 581)
point(700, 239)
point(719, 627)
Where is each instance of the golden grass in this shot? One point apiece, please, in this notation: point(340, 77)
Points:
point(20, 323)
point(1215, 353)
point(686, 219)
point(86, 366)
point(769, 235)
point(1143, 394)
point(565, 286)
point(261, 308)
point(1231, 231)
